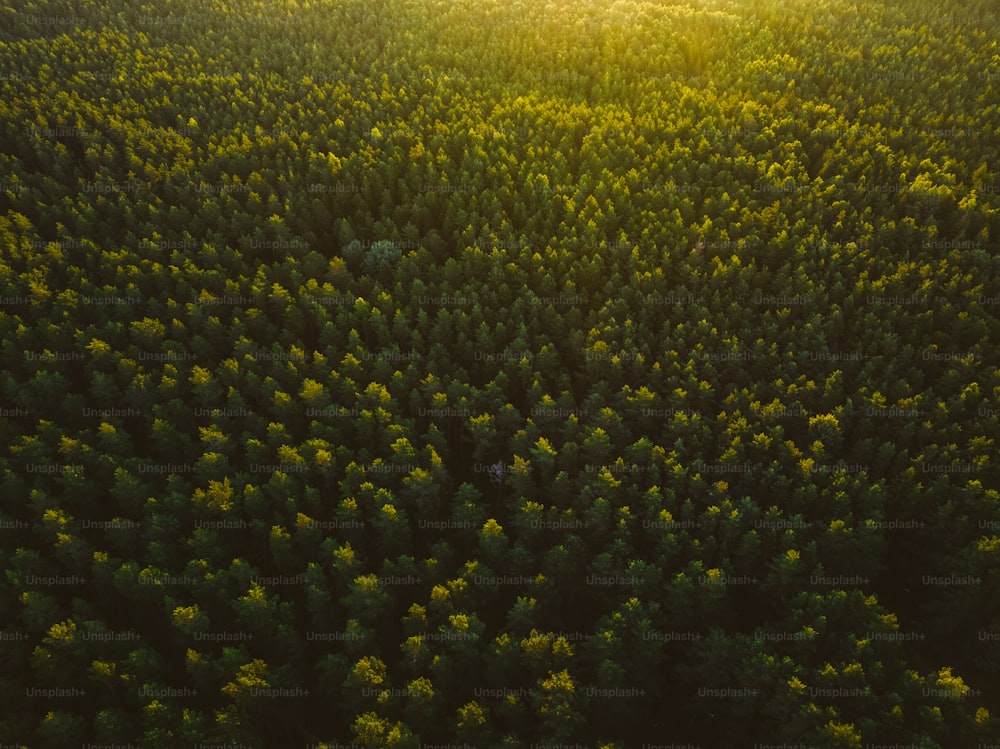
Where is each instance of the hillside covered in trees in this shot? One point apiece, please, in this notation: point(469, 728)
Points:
point(511, 373)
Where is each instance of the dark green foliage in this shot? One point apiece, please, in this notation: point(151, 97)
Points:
point(499, 373)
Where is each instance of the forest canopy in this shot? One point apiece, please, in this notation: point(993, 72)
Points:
point(503, 373)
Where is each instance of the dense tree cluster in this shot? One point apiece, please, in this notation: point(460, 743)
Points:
point(499, 373)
